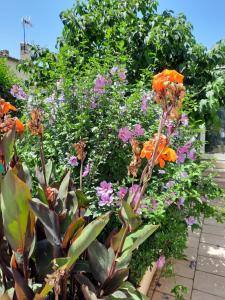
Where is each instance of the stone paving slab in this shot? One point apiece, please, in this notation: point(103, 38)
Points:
point(211, 265)
point(197, 295)
point(213, 239)
point(209, 283)
point(203, 270)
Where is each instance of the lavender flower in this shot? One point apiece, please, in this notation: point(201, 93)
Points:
point(104, 191)
point(86, 170)
point(122, 75)
point(122, 192)
point(100, 84)
point(125, 134)
point(162, 172)
point(73, 162)
point(192, 154)
point(190, 221)
point(184, 174)
point(182, 152)
point(169, 184)
point(161, 261)
point(138, 130)
point(144, 103)
point(61, 97)
point(184, 120)
point(17, 92)
point(93, 104)
point(114, 70)
point(180, 202)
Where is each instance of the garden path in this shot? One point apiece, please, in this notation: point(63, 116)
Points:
point(203, 271)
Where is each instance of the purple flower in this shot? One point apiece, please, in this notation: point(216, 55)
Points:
point(190, 221)
point(184, 120)
point(93, 104)
point(73, 161)
point(17, 92)
point(182, 152)
point(104, 191)
point(125, 134)
point(162, 172)
point(169, 184)
point(180, 202)
point(144, 103)
point(100, 84)
point(161, 261)
point(122, 75)
point(192, 154)
point(61, 97)
point(51, 98)
point(138, 130)
point(122, 192)
point(154, 205)
point(114, 70)
point(169, 126)
point(184, 174)
point(86, 170)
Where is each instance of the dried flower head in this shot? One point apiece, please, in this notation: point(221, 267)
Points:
point(80, 149)
point(35, 124)
point(136, 160)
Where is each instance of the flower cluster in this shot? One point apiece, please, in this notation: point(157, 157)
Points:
point(120, 72)
point(100, 84)
point(126, 135)
point(104, 192)
point(6, 121)
point(186, 152)
point(17, 92)
point(163, 154)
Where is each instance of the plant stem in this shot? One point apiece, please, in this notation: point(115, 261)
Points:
point(81, 173)
point(42, 158)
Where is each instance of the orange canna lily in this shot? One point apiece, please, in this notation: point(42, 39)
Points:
point(167, 155)
point(147, 150)
point(19, 126)
point(5, 107)
point(159, 80)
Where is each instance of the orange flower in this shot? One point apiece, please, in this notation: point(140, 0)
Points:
point(5, 107)
point(163, 153)
point(167, 155)
point(19, 126)
point(160, 80)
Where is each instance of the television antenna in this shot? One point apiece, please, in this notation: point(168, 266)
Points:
point(26, 22)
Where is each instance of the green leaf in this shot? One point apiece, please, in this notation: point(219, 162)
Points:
point(135, 239)
point(88, 235)
point(115, 282)
point(8, 144)
point(83, 201)
point(48, 168)
point(17, 216)
point(63, 189)
point(135, 295)
point(98, 257)
point(49, 219)
point(129, 217)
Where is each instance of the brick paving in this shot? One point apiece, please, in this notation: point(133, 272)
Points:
point(203, 270)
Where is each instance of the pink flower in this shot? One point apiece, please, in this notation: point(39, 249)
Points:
point(138, 130)
point(86, 170)
point(73, 161)
point(184, 174)
point(122, 75)
point(184, 120)
point(180, 202)
point(190, 221)
point(161, 262)
point(192, 154)
point(125, 134)
point(100, 84)
point(122, 192)
point(144, 103)
point(154, 205)
point(104, 192)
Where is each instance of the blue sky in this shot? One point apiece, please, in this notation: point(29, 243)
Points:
point(207, 17)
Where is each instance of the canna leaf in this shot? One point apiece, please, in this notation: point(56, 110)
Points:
point(129, 217)
point(8, 141)
point(18, 219)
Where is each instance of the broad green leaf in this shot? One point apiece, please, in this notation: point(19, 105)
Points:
point(135, 239)
point(83, 201)
point(99, 261)
point(131, 290)
point(114, 283)
point(8, 145)
point(24, 174)
point(48, 168)
point(41, 194)
point(89, 234)
point(116, 239)
point(72, 228)
point(129, 217)
point(18, 218)
point(49, 219)
point(63, 189)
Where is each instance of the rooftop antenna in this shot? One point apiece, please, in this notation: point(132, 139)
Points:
point(26, 21)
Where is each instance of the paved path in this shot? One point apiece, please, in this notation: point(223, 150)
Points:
point(203, 273)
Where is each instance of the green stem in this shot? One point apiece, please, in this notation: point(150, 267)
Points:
point(42, 158)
